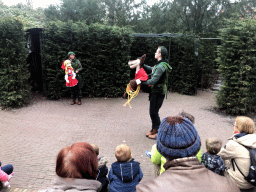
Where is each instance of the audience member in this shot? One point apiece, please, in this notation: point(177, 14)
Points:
point(76, 169)
point(102, 170)
point(178, 141)
point(210, 159)
point(125, 173)
point(6, 173)
point(235, 155)
point(158, 160)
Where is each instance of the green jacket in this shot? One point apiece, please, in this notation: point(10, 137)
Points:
point(158, 159)
point(76, 65)
point(159, 77)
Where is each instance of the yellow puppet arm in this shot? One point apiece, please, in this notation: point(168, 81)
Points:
point(131, 94)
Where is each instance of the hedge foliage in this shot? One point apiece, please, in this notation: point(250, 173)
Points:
point(14, 89)
point(102, 50)
point(236, 57)
point(207, 59)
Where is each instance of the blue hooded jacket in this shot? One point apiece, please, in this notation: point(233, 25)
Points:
point(124, 176)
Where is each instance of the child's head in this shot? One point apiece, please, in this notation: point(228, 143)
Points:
point(213, 145)
point(123, 153)
point(188, 116)
point(96, 149)
point(244, 125)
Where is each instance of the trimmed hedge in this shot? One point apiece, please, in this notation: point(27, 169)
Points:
point(102, 50)
point(14, 89)
point(207, 58)
point(236, 57)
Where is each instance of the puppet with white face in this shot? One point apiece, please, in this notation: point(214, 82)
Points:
point(70, 75)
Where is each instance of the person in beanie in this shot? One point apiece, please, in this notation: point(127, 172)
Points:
point(179, 142)
point(76, 90)
point(157, 159)
point(158, 81)
point(210, 159)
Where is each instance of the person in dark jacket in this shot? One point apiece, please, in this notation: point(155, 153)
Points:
point(102, 171)
point(76, 90)
point(158, 82)
point(210, 159)
point(125, 173)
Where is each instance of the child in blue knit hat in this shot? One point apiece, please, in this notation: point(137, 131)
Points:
point(210, 159)
point(158, 160)
point(125, 173)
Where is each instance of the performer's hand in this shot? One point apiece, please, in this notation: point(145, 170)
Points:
point(76, 71)
point(67, 81)
point(73, 77)
point(138, 81)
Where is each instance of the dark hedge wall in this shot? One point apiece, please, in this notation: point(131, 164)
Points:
point(237, 65)
point(14, 89)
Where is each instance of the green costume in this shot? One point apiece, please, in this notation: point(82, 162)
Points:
point(158, 159)
point(77, 67)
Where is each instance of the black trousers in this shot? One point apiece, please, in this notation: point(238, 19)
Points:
point(156, 101)
point(76, 92)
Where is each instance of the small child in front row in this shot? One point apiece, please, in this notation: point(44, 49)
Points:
point(102, 170)
point(125, 173)
point(6, 173)
point(210, 159)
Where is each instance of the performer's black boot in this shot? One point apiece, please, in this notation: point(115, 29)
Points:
point(79, 100)
point(74, 100)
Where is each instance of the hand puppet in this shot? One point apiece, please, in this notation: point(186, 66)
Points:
point(132, 89)
point(70, 75)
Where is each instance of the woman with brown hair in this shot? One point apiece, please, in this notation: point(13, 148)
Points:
point(76, 167)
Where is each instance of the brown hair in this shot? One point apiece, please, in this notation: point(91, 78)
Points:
point(188, 116)
point(245, 124)
point(77, 161)
point(213, 145)
point(123, 153)
point(96, 149)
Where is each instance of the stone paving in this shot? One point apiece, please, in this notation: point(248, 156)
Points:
point(32, 136)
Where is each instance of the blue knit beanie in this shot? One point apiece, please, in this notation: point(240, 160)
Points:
point(177, 138)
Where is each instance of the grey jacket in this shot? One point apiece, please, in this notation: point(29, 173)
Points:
point(74, 185)
point(187, 175)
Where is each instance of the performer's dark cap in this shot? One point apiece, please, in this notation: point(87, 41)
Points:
point(71, 53)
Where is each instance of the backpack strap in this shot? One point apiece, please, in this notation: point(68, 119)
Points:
point(233, 160)
point(238, 168)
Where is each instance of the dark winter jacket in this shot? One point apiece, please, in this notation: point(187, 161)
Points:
point(213, 162)
point(78, 67)
point(102, 172)
point(124, 176)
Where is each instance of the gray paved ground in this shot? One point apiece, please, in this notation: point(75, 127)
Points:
point(32, 136)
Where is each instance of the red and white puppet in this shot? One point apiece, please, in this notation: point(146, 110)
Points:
point(133, 89)
point(70, 75)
